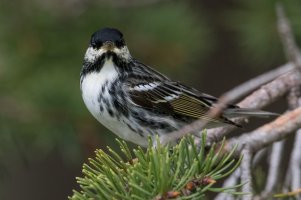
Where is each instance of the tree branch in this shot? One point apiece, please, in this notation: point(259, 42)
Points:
point(229, 182)
point(246, 176)
point(294, 170)
point(269, 133)
point(295, 163)
point(274, 169)
point(262, 97)
point(291, 49)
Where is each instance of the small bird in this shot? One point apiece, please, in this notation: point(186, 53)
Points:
point(135, 101)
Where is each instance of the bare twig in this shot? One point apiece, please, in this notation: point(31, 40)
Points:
point(289, 194)
point(274, 169)
point(246, 176)
point(259, 155)
point(293, 97)
point(295, 163)
point(234, 178)
point(259, 99)
point(276, 130)
point(269, 133)
point(227, 98)
point(293, 54)
point(287, 181)
point(294, 171)
point(231, 181)
point(288, 41)
point(256, 101)
point(280, 128)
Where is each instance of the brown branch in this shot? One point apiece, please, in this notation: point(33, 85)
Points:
point(259, 155)
point(282, 127)
point(287, 38)
point(275, 89)
point(294, 170)
point(293, 54)
point(231, 181)
point(289, 194)
point(293, 97)
point(262, 97)
point(234, 178)
point(295, 163)
point(275, 163)
point(269, 133)
point(246, 175)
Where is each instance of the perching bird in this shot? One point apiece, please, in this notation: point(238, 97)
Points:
point(135, 101)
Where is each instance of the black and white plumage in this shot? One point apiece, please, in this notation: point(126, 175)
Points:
point(135, 101)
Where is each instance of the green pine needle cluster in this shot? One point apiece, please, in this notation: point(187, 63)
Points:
point(184, 171)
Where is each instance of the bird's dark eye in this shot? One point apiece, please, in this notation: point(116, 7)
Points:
point(94, 45)
point(119, 43)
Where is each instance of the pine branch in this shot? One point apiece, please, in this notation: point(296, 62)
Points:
point(158, 173)
point(260, 98)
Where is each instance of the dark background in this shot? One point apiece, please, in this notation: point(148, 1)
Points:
point(46, 133)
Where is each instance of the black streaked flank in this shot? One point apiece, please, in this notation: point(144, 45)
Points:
point(106, 103)
point(103, 88)
point(101, 108)
point(110, 112)
point(139, 131)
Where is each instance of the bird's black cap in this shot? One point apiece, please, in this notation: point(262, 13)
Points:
point(107, 34)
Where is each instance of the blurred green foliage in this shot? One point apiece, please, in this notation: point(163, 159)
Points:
point(42, 44)
point(254, 23)
point(42, 49)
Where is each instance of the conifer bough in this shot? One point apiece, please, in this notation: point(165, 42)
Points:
point(184, 171)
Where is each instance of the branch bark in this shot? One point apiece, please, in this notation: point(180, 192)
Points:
point(262, 97)
point(232, 180)
point(291, 49)
point(246, 176)
point(274, 169)
point(269, 133)
point(295, 163)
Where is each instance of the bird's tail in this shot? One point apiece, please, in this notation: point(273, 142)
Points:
point(247, 112)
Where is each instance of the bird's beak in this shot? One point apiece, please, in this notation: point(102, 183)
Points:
point(108, 46)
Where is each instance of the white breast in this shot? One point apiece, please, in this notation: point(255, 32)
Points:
point(91, 87)
point(92, 84)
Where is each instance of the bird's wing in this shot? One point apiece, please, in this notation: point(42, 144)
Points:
point(172, 98)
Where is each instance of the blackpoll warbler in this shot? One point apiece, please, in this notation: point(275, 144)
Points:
point(135, 101)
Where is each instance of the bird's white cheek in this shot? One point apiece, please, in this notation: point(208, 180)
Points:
point(92, 54)
point(123, 52)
